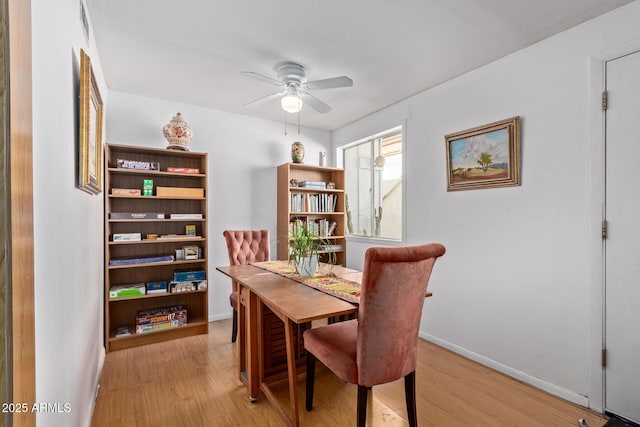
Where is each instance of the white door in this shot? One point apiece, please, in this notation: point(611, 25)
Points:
point(622, 246)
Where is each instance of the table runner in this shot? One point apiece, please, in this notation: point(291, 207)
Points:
point(325, 282)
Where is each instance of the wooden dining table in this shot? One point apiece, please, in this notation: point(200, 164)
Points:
point(295, 304)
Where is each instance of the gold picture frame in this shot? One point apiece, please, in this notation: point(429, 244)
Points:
point(91, 129)
point(486, 156)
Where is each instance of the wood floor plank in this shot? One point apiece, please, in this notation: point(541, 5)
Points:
point(193, 382)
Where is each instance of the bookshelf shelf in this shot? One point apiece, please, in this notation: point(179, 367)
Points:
point(135, 340)
point(133, 336)
point(286, 213)
point(294, 213)
point(155, 264)
point(314, 190)
point(115, 196)
point(158, 220)
point(121, 312)
point(158, 295)
point(160, 241)
point(154, 173)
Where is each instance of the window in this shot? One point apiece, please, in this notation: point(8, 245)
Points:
point(373, 185)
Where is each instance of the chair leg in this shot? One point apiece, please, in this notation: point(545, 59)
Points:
point(362, 405)
point(410, 397)
point(234, 327)
point(311, 376)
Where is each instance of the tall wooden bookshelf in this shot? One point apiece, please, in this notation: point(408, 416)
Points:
point(311, 205)
point(171, 235)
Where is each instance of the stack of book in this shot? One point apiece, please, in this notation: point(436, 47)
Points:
point(319, 227)
point(185, 216)
point(312, 184)
point(330, 248)
point(157, 319)
point(123, 331)
point(313, 202)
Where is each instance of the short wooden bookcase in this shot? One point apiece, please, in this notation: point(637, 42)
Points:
point(310, 205)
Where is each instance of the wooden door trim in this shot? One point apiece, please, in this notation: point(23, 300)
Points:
point(21, 244)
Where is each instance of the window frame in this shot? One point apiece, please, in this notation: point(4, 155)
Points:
point(339, 153)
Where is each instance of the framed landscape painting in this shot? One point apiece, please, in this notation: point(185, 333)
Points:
point(484, 157)
point(91, 130)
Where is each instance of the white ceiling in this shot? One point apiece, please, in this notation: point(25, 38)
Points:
point(193, 51)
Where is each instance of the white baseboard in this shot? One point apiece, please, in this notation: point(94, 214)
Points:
point(215, 317)
point(507, 370)
point(96, 385)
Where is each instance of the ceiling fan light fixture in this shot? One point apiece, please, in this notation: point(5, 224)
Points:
point(292, 78)
point(291, 103)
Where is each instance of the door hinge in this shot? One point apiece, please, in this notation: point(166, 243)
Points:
point(604, 357)
point(604, 229)
point(604, 100)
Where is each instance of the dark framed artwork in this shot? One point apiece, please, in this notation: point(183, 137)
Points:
point(91, 130)
point(486, 156)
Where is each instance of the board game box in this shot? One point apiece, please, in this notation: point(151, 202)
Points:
point(142, 329)
point(123, 291)
point(162, 314)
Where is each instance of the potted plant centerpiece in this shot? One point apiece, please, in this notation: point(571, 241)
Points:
point(304, 249)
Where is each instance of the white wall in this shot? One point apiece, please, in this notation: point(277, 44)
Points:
point(513, 289)
point(243, 155)
point(68, 227)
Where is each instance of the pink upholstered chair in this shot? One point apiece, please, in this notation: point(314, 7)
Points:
point(381, 345)
point(244, 246)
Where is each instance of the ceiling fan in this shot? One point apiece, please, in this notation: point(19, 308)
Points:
point(292, 78)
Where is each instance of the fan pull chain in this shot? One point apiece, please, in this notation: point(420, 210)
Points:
point(285, 123)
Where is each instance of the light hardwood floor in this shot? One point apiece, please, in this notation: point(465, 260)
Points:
point(193, 382)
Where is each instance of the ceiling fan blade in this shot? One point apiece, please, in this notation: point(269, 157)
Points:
point(315, 103)
point(261, 77)
point(264, 99)
point(342, 81)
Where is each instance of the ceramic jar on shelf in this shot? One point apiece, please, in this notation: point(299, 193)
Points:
point(297, 152)
point(178, 133)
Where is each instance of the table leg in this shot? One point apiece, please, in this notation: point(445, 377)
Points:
point(242, 336)
point(253, 350)
point(291, 366)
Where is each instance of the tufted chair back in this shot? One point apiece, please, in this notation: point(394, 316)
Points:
point(247, 246)
point(244, 246)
